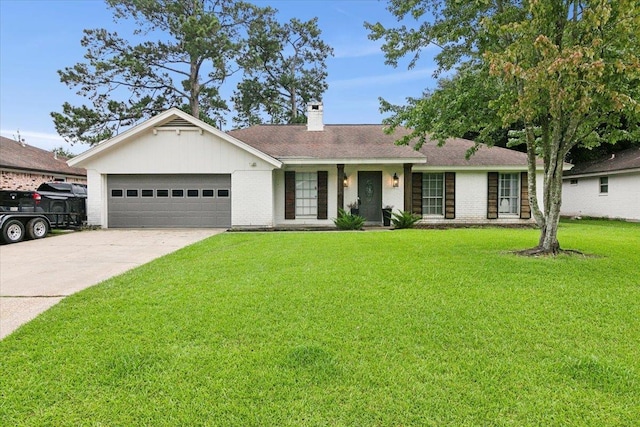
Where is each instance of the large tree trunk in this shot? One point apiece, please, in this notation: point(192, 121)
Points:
point(548, 243)
point(553, 200)
point(194, 93)
point(549, 217)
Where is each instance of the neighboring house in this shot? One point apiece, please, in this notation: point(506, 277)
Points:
point(23, 167)
point(608, 188)
point(176, 171)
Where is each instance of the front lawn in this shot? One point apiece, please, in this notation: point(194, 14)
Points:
point(401, 328)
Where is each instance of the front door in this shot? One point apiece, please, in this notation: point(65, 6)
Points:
point(370, 195)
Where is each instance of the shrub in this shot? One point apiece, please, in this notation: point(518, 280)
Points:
point(347, 221)
point(404, 219)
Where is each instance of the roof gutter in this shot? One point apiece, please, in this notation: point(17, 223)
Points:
point(356, 161)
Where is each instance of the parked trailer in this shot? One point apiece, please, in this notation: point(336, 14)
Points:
point(31, 214)
point(14, 227)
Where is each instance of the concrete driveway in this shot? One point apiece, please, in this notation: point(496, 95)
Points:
point(36, 274)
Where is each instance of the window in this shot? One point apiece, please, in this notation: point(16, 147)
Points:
point(132, 193)
point(223, 193)
point(604, 184)
point(508, 192)
point(117, 193)
point(306, 194)
point(146, 193)
point(162, 193)
point(193, 193)
point(573, 181)
point(432, 193)
point(207, 193)
point(177, 193)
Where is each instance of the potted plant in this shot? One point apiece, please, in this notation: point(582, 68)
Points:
point(354, 208)
point(386, 215)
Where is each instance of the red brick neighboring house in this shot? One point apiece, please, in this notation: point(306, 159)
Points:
point(23, 167)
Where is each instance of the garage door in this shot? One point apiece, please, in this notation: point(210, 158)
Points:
point(165, 201)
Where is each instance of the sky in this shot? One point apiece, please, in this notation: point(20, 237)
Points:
point(40, 37)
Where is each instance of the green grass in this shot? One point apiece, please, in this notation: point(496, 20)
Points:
point(409, 327)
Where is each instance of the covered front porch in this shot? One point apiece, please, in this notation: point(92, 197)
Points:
point(313, 194)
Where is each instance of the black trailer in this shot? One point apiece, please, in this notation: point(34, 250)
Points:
point(31, 214)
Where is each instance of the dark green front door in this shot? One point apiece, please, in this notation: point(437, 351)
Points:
point(370, 195)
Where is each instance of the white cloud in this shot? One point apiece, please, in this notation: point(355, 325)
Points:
point(29, 134)
point(358, 50)
point(43, 140)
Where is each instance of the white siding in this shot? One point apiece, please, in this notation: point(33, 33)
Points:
point(252, 199)
point(172, 153)
point(585, 199)
point(332, 191)
point(471, 194)
point(390, 195)
point(471, 200)
point(189, 152)
point(96, 198)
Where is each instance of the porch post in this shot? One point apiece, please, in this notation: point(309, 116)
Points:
point(340, 187)
point(408, 186)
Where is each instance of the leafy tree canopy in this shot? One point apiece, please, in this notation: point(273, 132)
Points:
point(284, 66)
point(562, 73)
point(187, 51)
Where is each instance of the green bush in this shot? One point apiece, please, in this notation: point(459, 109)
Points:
point(347, 221)
point(404, 219)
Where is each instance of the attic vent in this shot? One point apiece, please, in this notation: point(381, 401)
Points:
point(177, 122)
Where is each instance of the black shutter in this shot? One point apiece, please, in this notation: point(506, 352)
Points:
point(416, 194)
point(323, 194)
point(450, 195)
point(492, 195)
point(525, 207)
point(289, 195)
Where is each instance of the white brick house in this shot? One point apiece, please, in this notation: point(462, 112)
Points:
point(606, 188)
point(177, 171)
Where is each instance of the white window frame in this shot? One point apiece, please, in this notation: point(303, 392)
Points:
point(433, 194)
point(306, 194)
point(603, 183)
point(509, 194)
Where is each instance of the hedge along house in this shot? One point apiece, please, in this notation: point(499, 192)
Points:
point(177, 171)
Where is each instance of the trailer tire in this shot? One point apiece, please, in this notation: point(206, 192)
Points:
point(13, 231)
point(37, 228)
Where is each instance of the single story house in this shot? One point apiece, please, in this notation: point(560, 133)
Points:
point(174, 170)
point(23, 167)
point(607, 188)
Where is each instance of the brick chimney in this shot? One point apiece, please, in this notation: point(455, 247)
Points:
point(314, 116)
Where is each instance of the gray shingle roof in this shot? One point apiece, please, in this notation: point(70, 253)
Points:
point(357, 142)
point(334, 142)
point(15, 155)
point(453, 153)
point(620, 161)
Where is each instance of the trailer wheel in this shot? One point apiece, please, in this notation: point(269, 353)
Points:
point(37, 228)
point(13, 231)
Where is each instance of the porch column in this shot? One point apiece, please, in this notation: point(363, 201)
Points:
point(408, 187)
point(340, 187)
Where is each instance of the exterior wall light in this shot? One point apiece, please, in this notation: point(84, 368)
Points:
point(396, 180)
point(345, 181)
